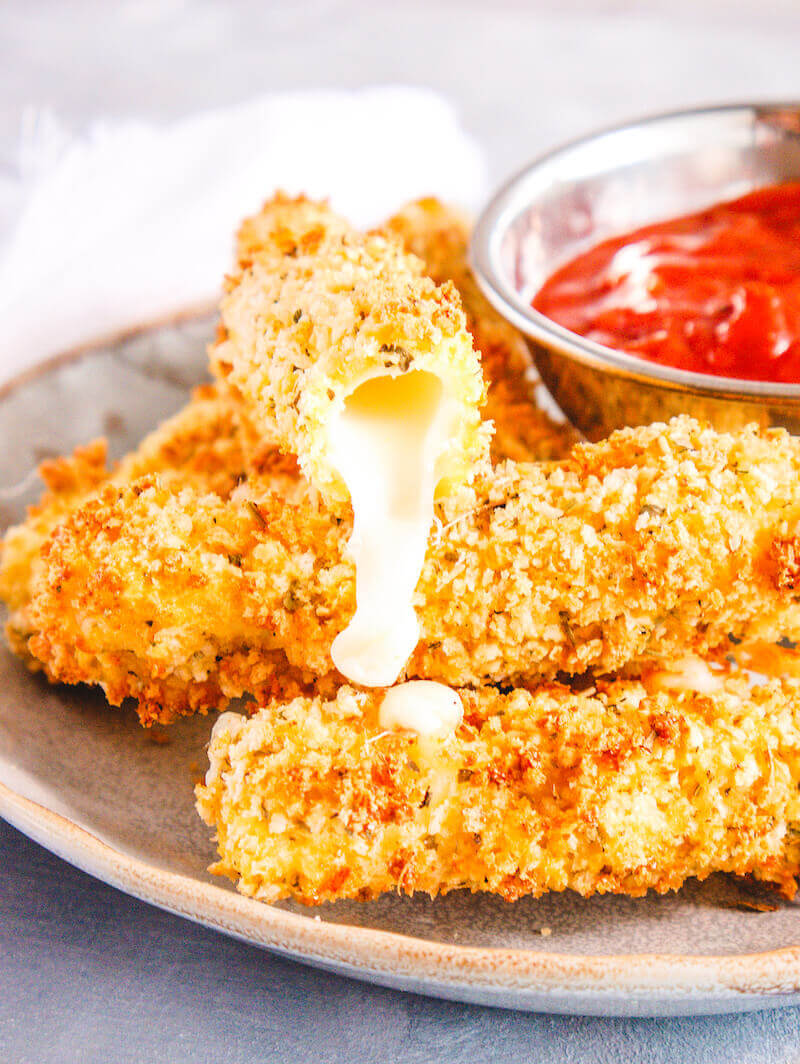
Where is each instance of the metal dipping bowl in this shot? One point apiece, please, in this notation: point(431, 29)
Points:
point(608, 184)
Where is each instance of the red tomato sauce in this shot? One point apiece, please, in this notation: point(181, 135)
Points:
point(714, 292)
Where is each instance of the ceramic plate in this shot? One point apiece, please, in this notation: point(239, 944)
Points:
point(87, 782)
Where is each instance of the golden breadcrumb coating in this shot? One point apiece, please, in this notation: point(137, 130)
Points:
point(618, 789)
point(196, 446)
point(68, 480)
point(439, 235)
point(655, 543)
point(316, 315)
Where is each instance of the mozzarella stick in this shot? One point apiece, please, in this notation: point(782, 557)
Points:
point(523, 429)
point(198, 449)
point(354, 361)
point(618, 789)
point(320, 311)
point(655, 543)
point(439, 236)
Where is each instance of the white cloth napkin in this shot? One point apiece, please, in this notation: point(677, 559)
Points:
point(133, 220)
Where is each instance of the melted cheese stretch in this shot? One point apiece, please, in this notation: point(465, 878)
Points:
point(385, 445)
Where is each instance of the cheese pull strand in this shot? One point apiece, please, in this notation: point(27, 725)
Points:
point(386, 445)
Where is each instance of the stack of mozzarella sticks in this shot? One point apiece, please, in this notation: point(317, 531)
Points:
point(594, 606)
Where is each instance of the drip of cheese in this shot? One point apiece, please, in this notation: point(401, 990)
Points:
point(385, 444)
point(422, 706)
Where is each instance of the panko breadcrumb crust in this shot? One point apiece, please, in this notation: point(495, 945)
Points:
point(655, 543)
point(197, 446)
point(614, 790)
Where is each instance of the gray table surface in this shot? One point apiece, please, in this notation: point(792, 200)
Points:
point(88, 974)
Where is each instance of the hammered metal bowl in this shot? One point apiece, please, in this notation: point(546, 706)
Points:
point(608, 184)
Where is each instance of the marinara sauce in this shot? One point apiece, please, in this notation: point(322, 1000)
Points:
point(714, 292)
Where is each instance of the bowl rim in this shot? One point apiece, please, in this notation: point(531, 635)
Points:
point(508, 202)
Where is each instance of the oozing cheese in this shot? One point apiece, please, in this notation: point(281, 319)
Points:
point(422, 706)
point(385, 444)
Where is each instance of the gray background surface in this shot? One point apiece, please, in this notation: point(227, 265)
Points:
point(88, 974)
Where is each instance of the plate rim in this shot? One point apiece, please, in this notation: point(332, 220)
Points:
point(649, 977)
point(741, 981)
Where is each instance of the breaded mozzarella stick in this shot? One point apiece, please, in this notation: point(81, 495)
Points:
point(198, 449)
point(439, 236)
point(658, 542)
point(618, 790)
point(318, 314)
point(363, 368)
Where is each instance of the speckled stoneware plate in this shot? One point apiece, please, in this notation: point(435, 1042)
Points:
point(87, 782)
